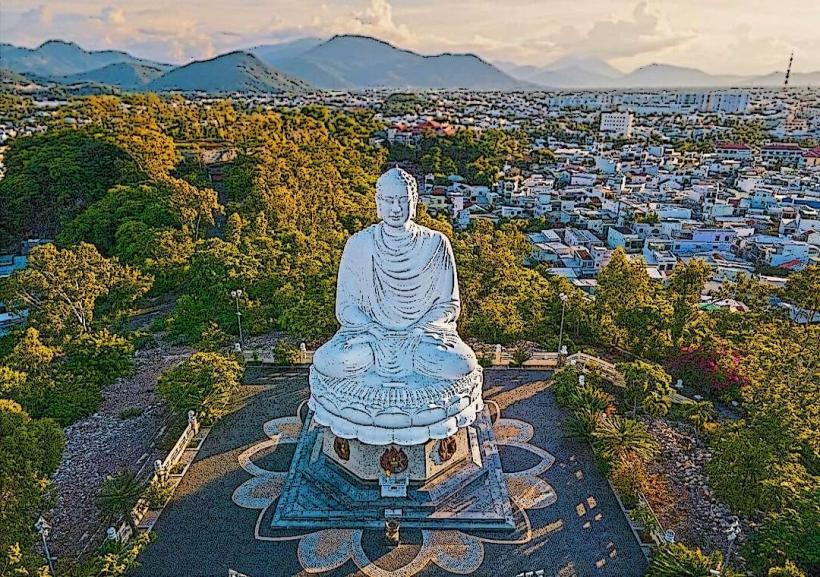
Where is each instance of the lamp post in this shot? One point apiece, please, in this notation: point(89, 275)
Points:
point(237, 294)
point(563, 298)
point(43, 528)
point(732, 533)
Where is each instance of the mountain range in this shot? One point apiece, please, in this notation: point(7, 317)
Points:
point(349, 62)
point(587, 72)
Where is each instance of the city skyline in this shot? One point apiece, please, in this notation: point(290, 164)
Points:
point(737, 38)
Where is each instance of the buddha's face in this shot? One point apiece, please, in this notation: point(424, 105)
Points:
point(395, 206)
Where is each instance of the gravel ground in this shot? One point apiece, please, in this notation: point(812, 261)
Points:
point(203, 533)
point(103, 444)
point(690, 507)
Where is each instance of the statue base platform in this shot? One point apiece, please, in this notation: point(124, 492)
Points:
point(344, 484)
point(408, 410)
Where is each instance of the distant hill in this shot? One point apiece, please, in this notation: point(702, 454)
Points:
point(776, 79)
point(353, 62)
point(667, 76)
point(11, 77)
point(586, 72)
point(57, 58)
point(125, 75)
point(232, 72)
point(275, 54)
point(566, 72)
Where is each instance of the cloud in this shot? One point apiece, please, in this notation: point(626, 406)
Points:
point(646, 32)
point(113, 16)
point(526, 31)
point(375, 19)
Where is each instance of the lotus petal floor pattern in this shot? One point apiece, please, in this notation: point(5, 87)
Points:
point(567, 520)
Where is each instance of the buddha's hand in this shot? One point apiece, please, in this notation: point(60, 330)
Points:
point(435, 335)
point(370, 333)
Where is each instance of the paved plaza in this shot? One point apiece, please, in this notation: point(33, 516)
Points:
point(567, 520)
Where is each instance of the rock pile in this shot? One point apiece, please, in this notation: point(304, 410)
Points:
point(695, 514)
point(105, 443)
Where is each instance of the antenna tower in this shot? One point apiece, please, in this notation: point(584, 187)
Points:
point(788, 71)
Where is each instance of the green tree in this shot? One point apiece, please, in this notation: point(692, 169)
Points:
point(803, 291)
point(788, 533)
point(648, 388)
point(502, 300)
point(118, 496)
point(630, 313)
point(195, 208)
point(51, 177)
point(63, 288)
point(685, 287)
point(30, 452)
point(99, 224)
point(752, 468)
point(203, 383)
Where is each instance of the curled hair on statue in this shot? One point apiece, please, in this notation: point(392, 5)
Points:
point(396, 177)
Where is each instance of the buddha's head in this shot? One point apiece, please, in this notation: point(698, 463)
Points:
point(396, 197)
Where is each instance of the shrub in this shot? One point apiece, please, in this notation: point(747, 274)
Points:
point(213, 338)
point(700, 414)
point(583, 423)
point(618, 439)
point(157, 493)
point(519, 357)
point(485, 361)
point(564, 385)
point(114, 558)
point(285, 353)
point(787, 570)
point(642, 515)
point(589, 397)
point(713, 370)
point(629, 479)
point(118, 496)
point(677, 560)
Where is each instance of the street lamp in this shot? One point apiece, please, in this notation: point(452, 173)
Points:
point(237, 294)
point(43, 528)
point(563, 298)
point(732, 533)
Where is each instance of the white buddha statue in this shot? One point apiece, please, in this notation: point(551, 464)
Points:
point(397, 296)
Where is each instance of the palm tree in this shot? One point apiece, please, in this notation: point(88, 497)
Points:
point(118, 496)
point(583, 423)
point(677, 560)
point(591, 398)
point(616, 439)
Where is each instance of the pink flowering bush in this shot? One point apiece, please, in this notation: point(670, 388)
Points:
point(714, 370)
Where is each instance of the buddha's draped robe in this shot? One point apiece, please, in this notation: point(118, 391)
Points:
point(398, 279)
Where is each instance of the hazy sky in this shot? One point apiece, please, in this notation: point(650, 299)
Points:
point(731, 36)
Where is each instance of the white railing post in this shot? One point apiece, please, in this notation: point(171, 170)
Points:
point(193, 422)
point(160, 471)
